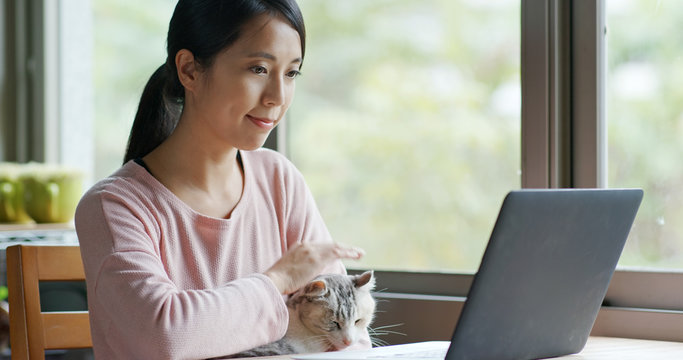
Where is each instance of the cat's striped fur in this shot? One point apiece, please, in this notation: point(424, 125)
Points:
point(331, 312)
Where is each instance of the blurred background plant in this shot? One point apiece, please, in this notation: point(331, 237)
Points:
point(406, 121)
point(406, 125)
point(645, 123)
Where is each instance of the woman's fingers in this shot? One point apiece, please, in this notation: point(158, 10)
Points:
point(303, 262)
point(344, 252)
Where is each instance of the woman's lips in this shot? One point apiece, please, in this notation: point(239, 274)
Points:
point(263, 123)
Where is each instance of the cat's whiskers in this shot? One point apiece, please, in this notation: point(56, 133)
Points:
point(382, 330)
point(378, 342)
point(387, 326)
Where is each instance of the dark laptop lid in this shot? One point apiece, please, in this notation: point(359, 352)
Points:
point(544, 273)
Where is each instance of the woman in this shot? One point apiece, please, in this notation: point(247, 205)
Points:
point(190, 247)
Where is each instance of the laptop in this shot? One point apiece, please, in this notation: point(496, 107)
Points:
point(541, 281)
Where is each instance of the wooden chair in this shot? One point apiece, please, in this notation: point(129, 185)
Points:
point(31, 330)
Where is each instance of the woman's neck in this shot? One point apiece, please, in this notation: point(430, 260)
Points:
point(210, 182)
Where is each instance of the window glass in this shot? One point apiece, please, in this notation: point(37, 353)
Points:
point(130, 43)
point(406, 122)
point(406, 125)
point(645, 123)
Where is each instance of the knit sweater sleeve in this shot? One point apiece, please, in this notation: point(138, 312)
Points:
point(129, 290)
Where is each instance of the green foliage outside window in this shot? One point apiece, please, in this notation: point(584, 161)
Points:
point(406, 125)
point(645, 123)
point(406, 122)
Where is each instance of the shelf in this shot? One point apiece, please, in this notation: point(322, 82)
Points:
point(69, 226)
point(47, 234)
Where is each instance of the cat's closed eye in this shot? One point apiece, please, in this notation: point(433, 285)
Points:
point(336, 325)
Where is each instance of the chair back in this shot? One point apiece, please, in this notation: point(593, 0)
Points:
point(31, 330)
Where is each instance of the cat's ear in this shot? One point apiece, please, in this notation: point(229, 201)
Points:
point(315, 288)
point(365, 279)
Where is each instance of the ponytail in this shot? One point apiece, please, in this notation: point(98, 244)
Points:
point(158, 113)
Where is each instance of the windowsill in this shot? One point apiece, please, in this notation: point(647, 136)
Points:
point(413, 317)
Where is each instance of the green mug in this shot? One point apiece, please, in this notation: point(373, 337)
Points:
point(11, 195)
point(51, 193)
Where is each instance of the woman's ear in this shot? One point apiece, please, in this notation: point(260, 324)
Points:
point(188, 69)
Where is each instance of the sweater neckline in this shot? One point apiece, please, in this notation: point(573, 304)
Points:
point(143, 174)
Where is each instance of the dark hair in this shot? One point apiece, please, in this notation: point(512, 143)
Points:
point(205, 28)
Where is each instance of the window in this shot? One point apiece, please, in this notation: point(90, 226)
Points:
point(406, 125)
point(408, 113)
point(645, 124)
point(400, 119)
point(130, 43)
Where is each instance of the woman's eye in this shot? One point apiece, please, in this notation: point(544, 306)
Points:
point(293, 74)
point(258, 69)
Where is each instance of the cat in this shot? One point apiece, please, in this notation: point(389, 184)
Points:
point(330, 313)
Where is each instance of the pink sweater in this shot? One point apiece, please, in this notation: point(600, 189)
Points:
point(165, 282)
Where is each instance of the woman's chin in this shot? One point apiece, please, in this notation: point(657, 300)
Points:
point(253, 143)
point(252, 146)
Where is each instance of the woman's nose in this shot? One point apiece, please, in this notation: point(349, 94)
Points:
point(275, 93)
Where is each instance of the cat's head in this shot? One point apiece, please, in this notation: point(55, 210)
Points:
point(336, 309)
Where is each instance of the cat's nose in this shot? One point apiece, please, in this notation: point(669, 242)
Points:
point(347, 342)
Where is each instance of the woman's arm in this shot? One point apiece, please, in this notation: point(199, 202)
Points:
point(144, 313)
point(160, 321)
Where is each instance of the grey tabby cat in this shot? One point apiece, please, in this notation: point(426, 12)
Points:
point(332, 312)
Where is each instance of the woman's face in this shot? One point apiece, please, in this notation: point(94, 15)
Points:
point(245, 93)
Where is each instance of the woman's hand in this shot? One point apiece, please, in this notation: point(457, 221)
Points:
point(303, 262)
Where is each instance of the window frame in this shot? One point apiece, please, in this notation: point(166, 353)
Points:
point(561, 109)
point(563, 146)
point(46, 64)
point(22, 138)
